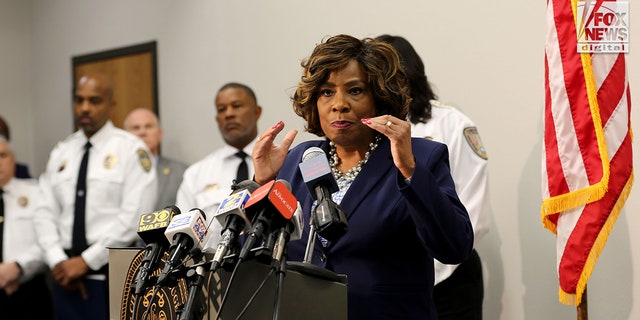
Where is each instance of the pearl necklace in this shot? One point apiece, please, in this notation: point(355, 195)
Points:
point(346, 178)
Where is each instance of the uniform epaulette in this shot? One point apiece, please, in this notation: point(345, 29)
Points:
point(440, 104)
point(61, 142)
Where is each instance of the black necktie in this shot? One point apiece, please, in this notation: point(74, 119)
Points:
point(243, 170)
point(79, 239)
point(1, 223)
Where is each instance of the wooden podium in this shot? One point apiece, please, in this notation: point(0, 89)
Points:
point(308, 292)
point(119, 261)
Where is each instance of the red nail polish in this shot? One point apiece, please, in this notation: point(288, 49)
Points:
point(366, 120)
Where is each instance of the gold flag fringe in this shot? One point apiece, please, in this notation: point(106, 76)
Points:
point(589, 194)
point(596, 191)
point(575, 299)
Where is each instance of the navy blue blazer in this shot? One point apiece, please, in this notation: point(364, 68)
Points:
point(395, 231)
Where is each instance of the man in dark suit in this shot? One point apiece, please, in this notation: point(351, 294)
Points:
point(22, 170)
point(144, 124)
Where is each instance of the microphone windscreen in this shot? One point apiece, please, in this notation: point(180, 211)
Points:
point(282, 198)
point(193, 224)
point(152, 225)
point(316, 171)
point(311, 153)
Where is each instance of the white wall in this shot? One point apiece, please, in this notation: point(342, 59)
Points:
point(16, 104)
point(486, 57)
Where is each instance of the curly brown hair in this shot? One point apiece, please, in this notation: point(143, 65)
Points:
point(378, 59)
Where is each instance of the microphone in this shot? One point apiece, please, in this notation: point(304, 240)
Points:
point(316, 172)
point(152, 225)
point(187, 232)
point(328, 218)
point(151, 230)
point(272, 205)
point(292, 230)
point(231, 215)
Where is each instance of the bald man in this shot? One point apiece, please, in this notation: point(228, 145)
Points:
point(144, 124)
point(96, 183)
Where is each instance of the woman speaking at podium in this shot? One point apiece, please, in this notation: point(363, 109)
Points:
point(397, 192)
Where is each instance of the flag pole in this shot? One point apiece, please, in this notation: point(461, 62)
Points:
point(583, 312)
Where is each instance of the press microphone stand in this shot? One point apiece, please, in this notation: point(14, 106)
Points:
point(311, 241)
point(195, 306)
point(281, 270)
point(308, 268)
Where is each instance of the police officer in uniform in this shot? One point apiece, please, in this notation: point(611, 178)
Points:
point(97, 182)
point(207, 182)
point(24, 293)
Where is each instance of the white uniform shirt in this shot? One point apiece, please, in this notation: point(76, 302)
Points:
point(121, 185)
point(207, 182)
point(468, 161)
point(19, 243)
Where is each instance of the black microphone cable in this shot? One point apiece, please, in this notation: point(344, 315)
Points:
point(263, 224)
point(137, 293)
point(254, 295)
point(228, 234)
point(193, 251)
point(194, 307)
point(196, 278)
point(227, 289)
point(145, 314)
point(136, 299)
point(280, 269)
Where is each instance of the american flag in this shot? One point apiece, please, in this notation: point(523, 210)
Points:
point(587, 168)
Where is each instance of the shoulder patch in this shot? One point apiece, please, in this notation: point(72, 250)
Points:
point(145, 160)
point(474, 141)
